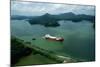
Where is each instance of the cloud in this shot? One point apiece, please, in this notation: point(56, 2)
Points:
point(36, 8)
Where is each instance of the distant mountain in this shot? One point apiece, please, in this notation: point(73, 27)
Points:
point(52, 20)
point(65, 16)
point(46, 20)
point(75, 18)
point(17, 17)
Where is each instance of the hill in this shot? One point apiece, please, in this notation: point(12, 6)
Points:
point(49, 20)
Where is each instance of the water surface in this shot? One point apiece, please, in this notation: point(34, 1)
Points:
point(79, 38)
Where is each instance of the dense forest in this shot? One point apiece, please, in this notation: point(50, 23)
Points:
point(18, 50)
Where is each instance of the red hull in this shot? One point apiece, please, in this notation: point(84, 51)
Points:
point(61, 39)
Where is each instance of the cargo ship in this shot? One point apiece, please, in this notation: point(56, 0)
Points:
point(49, 37)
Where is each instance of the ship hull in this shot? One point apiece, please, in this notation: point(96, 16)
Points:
point(49, 37)
point(55, 39)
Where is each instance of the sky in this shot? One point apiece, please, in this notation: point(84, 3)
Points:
point(37, 9)
point(86, 2)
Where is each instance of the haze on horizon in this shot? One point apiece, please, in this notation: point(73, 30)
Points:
point(37, 8)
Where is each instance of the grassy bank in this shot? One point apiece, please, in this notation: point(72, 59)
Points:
point(25, 53)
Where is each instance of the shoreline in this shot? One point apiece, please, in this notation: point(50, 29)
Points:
point(48, 55)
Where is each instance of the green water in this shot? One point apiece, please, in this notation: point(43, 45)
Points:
point(79, 38)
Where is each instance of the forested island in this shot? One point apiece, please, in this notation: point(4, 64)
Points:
point(49, 20)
